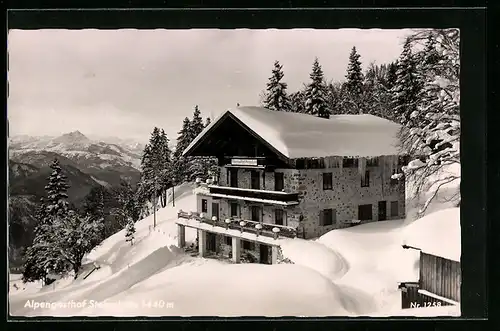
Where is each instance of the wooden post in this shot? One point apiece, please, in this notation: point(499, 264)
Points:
point(181, 236)
point(202, 242)
point(274, 254)
point(236, 246)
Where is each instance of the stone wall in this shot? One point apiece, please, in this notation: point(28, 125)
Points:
point(345, 197)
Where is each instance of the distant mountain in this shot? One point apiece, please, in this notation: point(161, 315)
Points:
point(86, 162)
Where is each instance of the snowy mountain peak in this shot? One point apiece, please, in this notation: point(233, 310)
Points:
point(72, 137)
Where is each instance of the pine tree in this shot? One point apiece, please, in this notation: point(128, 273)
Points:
point(196, 125)
point(298, 102)
point(407, 88)
point(130, 232)
point(183, 138)
point(434, 134)
point(316, 93)
point(78, 236)
point(38, 257)
point(276, 97)
point(391, 75)
point(57, 198)
point(354, 84)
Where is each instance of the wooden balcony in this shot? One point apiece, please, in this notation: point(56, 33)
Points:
point(267, 230)
point(254, 195)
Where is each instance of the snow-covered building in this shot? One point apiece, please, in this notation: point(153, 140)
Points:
point(437, 237)
point(292, 175)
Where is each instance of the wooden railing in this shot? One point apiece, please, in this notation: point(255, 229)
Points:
point(255, 194)
point(266, 229)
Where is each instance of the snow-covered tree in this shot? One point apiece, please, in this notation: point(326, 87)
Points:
point(317, 93)
point(39, 257)
point(196, 124)
point(276, 97)
point(435, 137)
point(376, 96)
point(334, 98)
point(78, 236)
point(94, 207)
point(298, 102)
point(130, 232)
point(57, 188)
point(408, 85)
point(354, 85)
point(129, 206)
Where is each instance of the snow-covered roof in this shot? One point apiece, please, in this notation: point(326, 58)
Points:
point(437, 233)
point(298, 135)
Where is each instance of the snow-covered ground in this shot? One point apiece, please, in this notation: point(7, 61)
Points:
point(347, 272)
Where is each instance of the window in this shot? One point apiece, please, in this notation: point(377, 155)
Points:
point(204, 206)
point(365, 181)
point(279, 216)
point(256, 213)
point(215, 209)
point(248, 245)
point(394, 181)
point(233, 177)
point(255, 180)
point(327, 217)
point(372, 162)
point(394, 208)
point(228, 240)
point(279, 184)
point(365, 212)
point(350, 162)
point(233, 206)
point(327, 181)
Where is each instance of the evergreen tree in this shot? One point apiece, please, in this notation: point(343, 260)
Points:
point(57, 197)
point(183, 138)
point(130, 232)
point(316, 93)
point(433, 135)
point(407, 88)
point(391, 75)
point(78, 236)
point(335, 98)
point(354, 84)
point(38, 257)
point(298, 102)
point(196, 125)
point(207, 121)
point(276, 97)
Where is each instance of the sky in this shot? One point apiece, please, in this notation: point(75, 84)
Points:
point(124, 82)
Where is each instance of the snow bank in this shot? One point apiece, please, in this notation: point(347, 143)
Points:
point(298, 135)
point(213, 289)
point(437, 234)
point(316, 256)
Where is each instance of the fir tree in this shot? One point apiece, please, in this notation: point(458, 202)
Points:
point(196, 125)
point(316, 93)
point(38, 257)
point(276, 97)
point(354, 84)
point(57, 198)
point(130, 232)
point(408, 86)
point(391, 75)
point(298, 102)
point(79, 235)
point(433, 135)
point(183, 138)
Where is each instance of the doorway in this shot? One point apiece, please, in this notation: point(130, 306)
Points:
point(382, 210)
point(264, 254)
point(211, 240)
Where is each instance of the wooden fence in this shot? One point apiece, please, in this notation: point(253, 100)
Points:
point(440, 276)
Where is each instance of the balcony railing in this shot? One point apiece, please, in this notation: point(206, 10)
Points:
point(255, 194)
point(259, 229)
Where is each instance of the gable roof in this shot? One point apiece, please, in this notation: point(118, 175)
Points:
point(297, 135)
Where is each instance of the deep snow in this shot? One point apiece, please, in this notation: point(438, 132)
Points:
point(298, 135)
point(347, 272)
